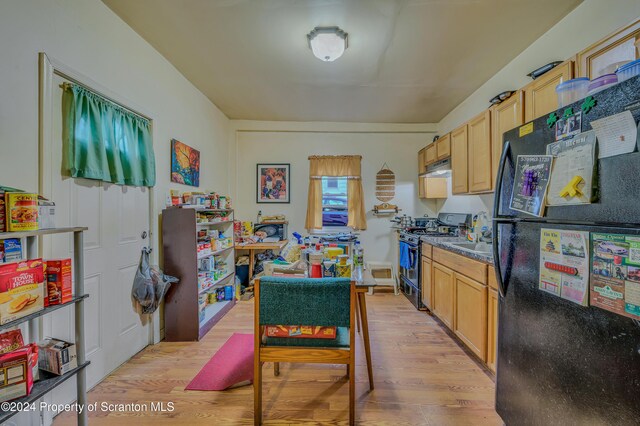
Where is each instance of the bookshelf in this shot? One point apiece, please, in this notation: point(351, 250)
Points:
point(180, 228)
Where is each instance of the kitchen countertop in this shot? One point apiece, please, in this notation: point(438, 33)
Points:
point(446, 244)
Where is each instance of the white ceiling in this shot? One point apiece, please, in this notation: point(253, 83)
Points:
point(408, 61)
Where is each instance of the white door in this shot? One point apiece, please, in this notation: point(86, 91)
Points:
point(118, 222)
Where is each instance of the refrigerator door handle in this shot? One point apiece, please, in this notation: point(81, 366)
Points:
point(496, 222)
point(503, 159)
point(496, 258)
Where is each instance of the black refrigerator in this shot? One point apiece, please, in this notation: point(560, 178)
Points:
point(560, 363)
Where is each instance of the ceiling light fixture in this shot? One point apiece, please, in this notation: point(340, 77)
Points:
point(327, 43)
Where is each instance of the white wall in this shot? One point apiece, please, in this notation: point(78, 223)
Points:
point(465, 203)
point(89, 38)
point(294, 142)
point(586, 24)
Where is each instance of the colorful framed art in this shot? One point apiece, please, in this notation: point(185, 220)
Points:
point(273, 183)
point(185, 164)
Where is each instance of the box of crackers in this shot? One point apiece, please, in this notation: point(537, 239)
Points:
point(58, 277)
point(21, 289)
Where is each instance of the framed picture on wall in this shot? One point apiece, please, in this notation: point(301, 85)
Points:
point(273, 183)
point(185, 164)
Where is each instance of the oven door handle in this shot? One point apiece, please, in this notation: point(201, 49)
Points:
point(414, 259)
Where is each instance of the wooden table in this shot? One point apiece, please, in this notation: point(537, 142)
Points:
point(361, 290)
point(252, 248)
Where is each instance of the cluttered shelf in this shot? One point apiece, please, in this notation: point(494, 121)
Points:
point(213, 223)
point(40, 388)
point(42, 312)
point(214, 253)
point(216, 282)
point(39, 232)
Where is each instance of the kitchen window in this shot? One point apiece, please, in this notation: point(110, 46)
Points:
point(334, 202)
point(335, 197)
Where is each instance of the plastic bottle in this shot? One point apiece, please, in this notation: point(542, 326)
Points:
point(259, 218)
point(358, 262)
point(358, 254)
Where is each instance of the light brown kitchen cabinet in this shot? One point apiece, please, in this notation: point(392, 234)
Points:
point(470, 323)
point(604, 56)
point(427, 288)
point(434, 188)
point(540, 95)
point(459, 164)
point(504, 117)
point(479, 142)
point(421, 187)
point(443, 147)
point(492, 329)
point(442, 281)
point(431, 154)
point(422, 160)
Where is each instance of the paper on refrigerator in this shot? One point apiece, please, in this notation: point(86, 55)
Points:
point(564, 264)
point(615, 273)
point(574, 159)
point(616, 134)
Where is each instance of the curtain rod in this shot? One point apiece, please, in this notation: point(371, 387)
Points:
point(107, 98)
point(330, 157)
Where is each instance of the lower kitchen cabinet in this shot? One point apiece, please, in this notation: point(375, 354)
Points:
point(492, 329)
point(427, 287)
point(470, 323)
point(443, 302)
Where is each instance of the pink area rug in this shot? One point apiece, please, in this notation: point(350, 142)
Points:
point(231, 366)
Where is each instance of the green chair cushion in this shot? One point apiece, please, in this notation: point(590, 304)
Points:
point(341, 340)
point(308, 301)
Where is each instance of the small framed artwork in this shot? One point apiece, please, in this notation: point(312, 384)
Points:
point(273, 183)
point(185, 164)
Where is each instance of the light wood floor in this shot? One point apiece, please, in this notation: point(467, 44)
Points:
point(421, 376)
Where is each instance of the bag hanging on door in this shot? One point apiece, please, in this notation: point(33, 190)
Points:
point(149, 284)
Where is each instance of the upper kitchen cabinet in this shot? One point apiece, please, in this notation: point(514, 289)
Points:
point(479, 156)
point(431, 153)
point(504, 117)
point(459, 160)
point(606, 55)
point(540, 95)
point(422, 160)
point(432, 187)
point(443, 147)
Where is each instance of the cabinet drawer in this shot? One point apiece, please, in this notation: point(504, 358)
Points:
point(491, 277)
point(427, 250)
point(469, 267)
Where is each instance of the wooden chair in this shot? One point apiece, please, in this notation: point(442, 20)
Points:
point(304, 301)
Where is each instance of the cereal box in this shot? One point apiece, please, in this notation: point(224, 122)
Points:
point(16, 375)
point(12, 250)
point(21, 289)
point(22, 211)
point(58, 277)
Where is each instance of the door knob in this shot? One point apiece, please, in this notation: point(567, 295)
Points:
point(143, 235)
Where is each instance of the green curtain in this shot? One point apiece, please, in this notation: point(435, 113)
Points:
point(105, 142)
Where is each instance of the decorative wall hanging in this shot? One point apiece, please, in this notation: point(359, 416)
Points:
point(185, 164)
point(385, 191)
point(273, 184)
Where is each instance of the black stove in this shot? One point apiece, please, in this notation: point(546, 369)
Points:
point(410, 256)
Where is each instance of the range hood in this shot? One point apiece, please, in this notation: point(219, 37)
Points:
point(440, 169)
